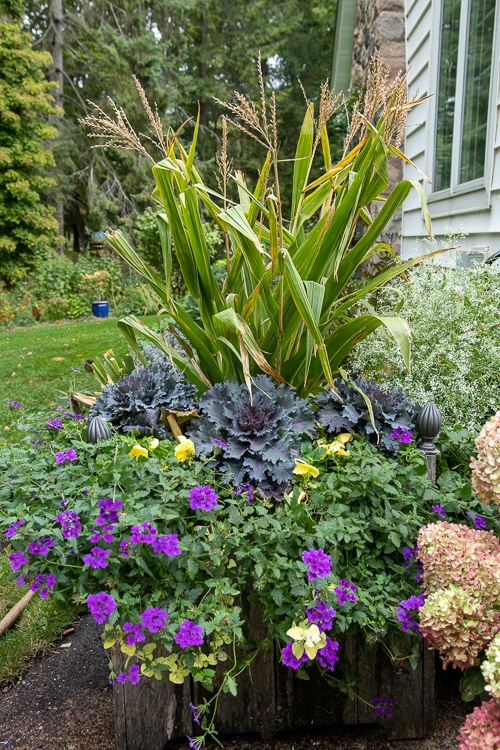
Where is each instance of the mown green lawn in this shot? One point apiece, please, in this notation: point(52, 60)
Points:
point(40, 366)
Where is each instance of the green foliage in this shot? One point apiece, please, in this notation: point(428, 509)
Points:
point(453, 315)
point(285, 304)
point(27, 223)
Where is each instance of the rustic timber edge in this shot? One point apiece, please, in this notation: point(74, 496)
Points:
point(271, 699)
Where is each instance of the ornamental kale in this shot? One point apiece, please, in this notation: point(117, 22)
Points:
point(261, 434)
point(136, 401)
point(345, 409)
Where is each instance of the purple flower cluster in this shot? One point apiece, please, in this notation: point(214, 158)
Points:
point(403, 612)
point(105, 533)
point(319, 563)
point(478, 521)
point(15, 404)
point(54, 422)
point(245, 487)
point(97, 558)
point(401, 435)
point(71, 526)
point(189, 634)
point(290, 660)
point(383, 707)
point(440, 511)
point(133, 676)
point(43, 583)
point(12, 529)
point(17, 560)
point(327, 656)
point(203, 498)
point(154, 619)
point(409, 555)
point(108, 511)
point(194, 714)
point(69, 455)
point(219, 443)
point(41, 547)
point(322, 615)
point(143, 534)
point(168, 544)
point(134, 632)
point(345, 592)
point(101, 606)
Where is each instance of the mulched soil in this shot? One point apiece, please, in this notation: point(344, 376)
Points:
point(65, 702)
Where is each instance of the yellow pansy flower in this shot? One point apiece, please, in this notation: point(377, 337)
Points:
point(308, 639)
point(337, 447)
point(185, 450)
point(305, 470)
point(137, 451)
point(153, 443)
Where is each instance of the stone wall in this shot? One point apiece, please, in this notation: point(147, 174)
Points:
point(380, 25)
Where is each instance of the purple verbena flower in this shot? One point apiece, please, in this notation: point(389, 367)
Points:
point(194, 714)
point(383, 706)
point(289, 659)
point(108, 511)
point(55, 422)
point(69, 455)
point(101, 606)
point(203, 498)
point(478, 521)
point(41, 547)
point(12, 529)
point(154, 619)
point(21, 580)
point(319, 563)
point(143, 534)
point(15, 404)
point(322, 615)
point(345, 592)
point(135, 633)
point(97, 559)
point(168, 544)
point(439, 510)
point(327, 656)
point(401, 435)
point(245, 487)
point(17, 560)
point(189, 634)
point(133, 676)
point(43, 583)
point(71, 526)
point(124, 545)
point(105, 534)
point(403, 612)
point(219, 443)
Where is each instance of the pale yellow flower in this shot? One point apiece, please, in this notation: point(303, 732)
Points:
point(185, 450)
point(305, 470)
point(137, 451)
point(337, 447)
point(153, 443)
point(308, 639)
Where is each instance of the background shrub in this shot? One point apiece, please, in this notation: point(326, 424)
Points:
point(454, 316)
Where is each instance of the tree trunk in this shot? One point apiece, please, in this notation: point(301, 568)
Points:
point(56, 72)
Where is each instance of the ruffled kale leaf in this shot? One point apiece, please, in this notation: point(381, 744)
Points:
point(346, 410)
point(256, 439)
point(135, 402)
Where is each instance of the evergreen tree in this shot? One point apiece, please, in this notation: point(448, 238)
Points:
point(27, 223)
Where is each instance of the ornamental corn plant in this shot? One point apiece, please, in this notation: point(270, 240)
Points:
point(285, 306)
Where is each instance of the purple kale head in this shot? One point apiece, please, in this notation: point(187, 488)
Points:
point(262, 434)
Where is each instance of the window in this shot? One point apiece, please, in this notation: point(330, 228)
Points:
point(465, 60)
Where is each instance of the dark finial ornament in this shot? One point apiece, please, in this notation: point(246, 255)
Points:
point(97, 429)
point(429, 425)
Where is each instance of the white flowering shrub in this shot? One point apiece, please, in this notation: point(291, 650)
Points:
point(454, 317)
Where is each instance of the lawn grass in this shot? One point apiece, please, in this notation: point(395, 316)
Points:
point(36, 370)
point(38, 365)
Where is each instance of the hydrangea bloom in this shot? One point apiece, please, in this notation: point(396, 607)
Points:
point(168, 544)
point(491, 667)
point(203, 498)
point(321, 614)
point(189, 634)
point(154, 619)
point(97, 558)
point(485, 468)
point(289, 659)
point(345, 592)
point(319, 563)
point(328, 655)
point(101, 605)
point(481, 730)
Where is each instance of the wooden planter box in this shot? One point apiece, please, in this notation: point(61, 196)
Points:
point(271, 699)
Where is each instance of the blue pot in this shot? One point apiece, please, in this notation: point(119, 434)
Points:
point(100, 309)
